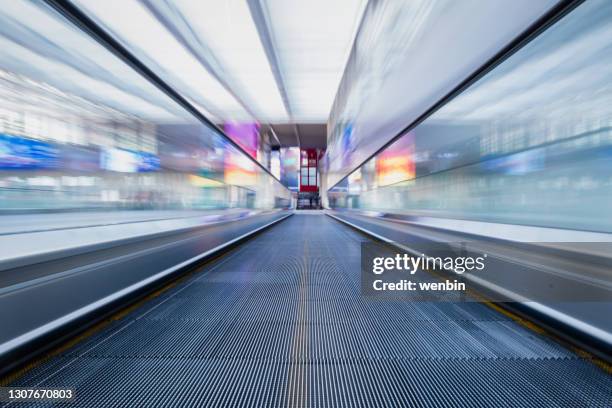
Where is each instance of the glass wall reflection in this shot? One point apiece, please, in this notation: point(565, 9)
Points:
point(530, 143)
point(80, 130)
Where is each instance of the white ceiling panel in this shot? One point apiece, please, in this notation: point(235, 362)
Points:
point(312, 40)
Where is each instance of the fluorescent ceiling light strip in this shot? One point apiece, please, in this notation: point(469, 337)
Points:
point(228, 30)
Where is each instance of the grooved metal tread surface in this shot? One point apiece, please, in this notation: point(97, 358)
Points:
point(281, 322)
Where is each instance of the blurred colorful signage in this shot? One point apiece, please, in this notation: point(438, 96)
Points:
point(239, 169)
point(396, 163)
point(128, 161)
point(204, 182)
point(290, 164)
point(21, 153)
point(516, 164)
point(245, 135)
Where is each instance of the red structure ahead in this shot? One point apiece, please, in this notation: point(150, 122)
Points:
point(309, 161)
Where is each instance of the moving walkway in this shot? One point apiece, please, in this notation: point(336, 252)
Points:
point(280, 320)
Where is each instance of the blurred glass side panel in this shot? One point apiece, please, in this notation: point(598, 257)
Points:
point(530, 143)
point(80, 129)
point(407, 56)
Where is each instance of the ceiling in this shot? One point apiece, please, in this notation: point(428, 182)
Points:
point(268, 61)
point(307, 136)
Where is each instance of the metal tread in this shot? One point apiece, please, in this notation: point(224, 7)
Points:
point(281, 321)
